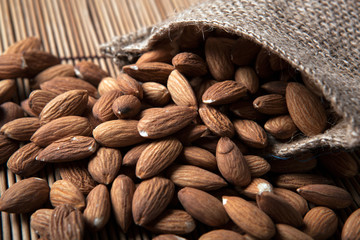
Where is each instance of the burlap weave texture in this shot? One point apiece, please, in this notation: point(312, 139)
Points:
point(320, 38)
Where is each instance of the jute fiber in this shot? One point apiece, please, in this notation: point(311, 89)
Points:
point(320, 38)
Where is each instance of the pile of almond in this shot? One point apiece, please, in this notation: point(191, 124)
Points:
point(178, 139)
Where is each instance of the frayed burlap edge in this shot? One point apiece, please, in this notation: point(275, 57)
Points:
point(345, 134)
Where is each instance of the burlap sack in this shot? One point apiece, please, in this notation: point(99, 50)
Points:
point(320, 38)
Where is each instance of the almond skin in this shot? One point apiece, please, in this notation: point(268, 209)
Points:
point(7, 89)
point(296, 164)
point(257, 186)
point(221, 234)
point(40, 222)
point(38, 100)
point(216, 121)
point(351, 229)
point(180, 90)
point(151, 198)
point(19, 198)
point(326, 195)
point(320, 223)
point(37, 61)
point(203, 206)
point(244, 52)
point(68, 149)
point(249, 218)
point(21, 129)
point(90, 72)
point(271, 104)
point(157, 156)
point(10, 111)
point(198, 157)
point(189, 64)
point(286, 232)
point(64, 192)
point(126, 106)
point(277, 87)
point(109, 84)
point(12, 66)
point(132, 156)
point(7, 148)
point(297, 180)
point(155, 93)
point(23, 161)
point(294, 199)
point(102, 109)
point(223, 93)
point(149, 71)
point(195, 177)
point(258, 166)
point(245, 110)
point(24, 45)
point(163, 53)
point(165, 121)
point(251, 133)
point(105, 165)
point(282, 127)
point(231, 163)
point(60, 128)
point(340, 164)
point(247, 77)
point(97, 211)
point(129, 86)
point(192, 133)
point(305, 109)
point(59, 70)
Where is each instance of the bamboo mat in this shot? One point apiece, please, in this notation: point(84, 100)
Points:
point(73, 30)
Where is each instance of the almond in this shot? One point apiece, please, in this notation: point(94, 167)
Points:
point(59, 70)
point(109, 84)
point(151, 198)
point(221, 234)
point(247, 77)
point(60, 128)
point(66, 222)
point(279, 209)
point(249, 218)
point(64, 192)
point(19, 198)
point(223, 93)
point(10, 111)
point(320, 223)
point(198, 157)
point(105, 165)
point(7, 148)
point(191, 133)
point(258, 166)
point(23, 162)
point(275, 87)
point(129, 86)
point(122, 191)
point(132, 156)
point(168, 237)
point(305, 109)
point(297, 180)
point(66, 104)
point(294, 199)
point(21, 129)
point(163, 53)
point(296, 164)
point(351, 229)
point(102, 108)
point(244, 52)
point(165, 121)
point(180, 90)
point(326, 195)
point(157, 156)
point(117, 133)
point(40, 222)
point(191, 37)
point(38, 100)
point(97, 211)
point(90, 72)
point(60, 85)
point(218, 57)
point(216, 121)
point(37, 61)
point(172, 221)
point(149, 71)
point(68, 149)
point(262, 64)
point(271, 104)
point(195, 177)
point(245, 110)
point(251, 133)
point(126, 106)
point(286, 232)
point(231, 163)
point(26, 108)
point(13, 66)
point(190, 64)
point(203, 207)
point(281, 127)
point(155, 93)
point(340, 164)
point(7, 89)
point(24, 45)
point(257, 186)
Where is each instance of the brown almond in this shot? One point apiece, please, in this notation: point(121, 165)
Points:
point(38, 100)
point(271, 104)
point(65, 192)
point(279, 209)
point(151, 198)
point(60, 128)
point(118, 133)
point(326, 195)
point(24, 45)
point(122, 191)
point(320, 223)
point(297, 180)
point(203, 206)
point(341, 164)
point(244, 52)
point(149, 71)
point(21, 129)
point(351, 228)
point(180, 90)
point(251, 133)
point(155, 93)
point(7, 90)
point(105, 165)
point(195, 177)
point(157, 156)
point(218, 57)
point(305, 109)
point(281, 127)
point(90, 72)
point(191, 133)
point(198, 157)
point(26, 108)
point(221, 234)
point(132, 156)
point(275, 87)
point(286, 232)
point(164, 53)
point(66, 222)
point(216, 121)
point(23, 162)
point(59, 70)
point(247, 77)
point(66, 104)
point(296, 164)
point(12, 66)
point(165, 122)
point(172, 221)
point(40, 222)
point(231, 163)
point(126, 106)
point(262, 64)
point(294, 199)
point(7, 148)
point(60, 85)
point(189, 64)
point(258, 166)
point(249, 218)
point(97, 211)
point(109, 84)
point(68, 149)
point(129, 86)
point(102, 108)
point(19, 198)
point(223, 93)
point(191, 37)
point(10, 111)
point(245, 110)
point(257, 186)
point(202, 86)
point(37, 61)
